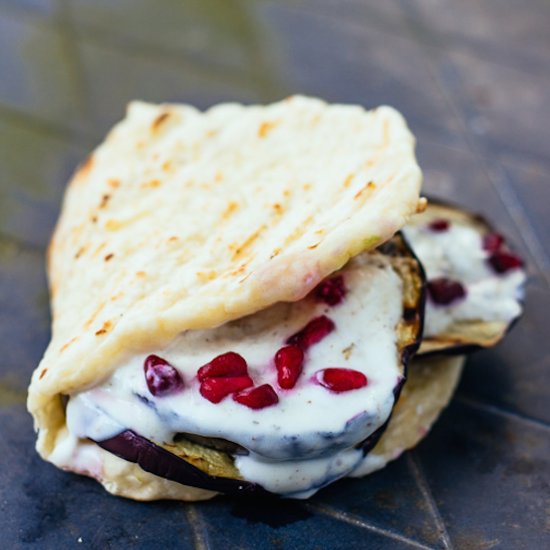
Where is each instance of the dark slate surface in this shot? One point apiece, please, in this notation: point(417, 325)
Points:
point(473, 80)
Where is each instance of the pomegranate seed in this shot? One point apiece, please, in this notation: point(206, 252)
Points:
point(312, 333)
point(444, 291)
point(215, 389)
point(257, 398)
point(439, 225)
point(227, 364)
point(161, 377)
point(340, 380)
point(502, 261)
point(289, 362)
point(492, 242)
point(331, 291)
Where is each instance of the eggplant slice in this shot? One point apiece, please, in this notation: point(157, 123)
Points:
point(470, 334)
point(206, 463)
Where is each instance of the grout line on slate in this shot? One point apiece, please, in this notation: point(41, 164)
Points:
point(502, 186)
point(39, 124)
point(137, 47)
point(358, 522)
point(424, 487)
point(498, 411)
point(198, 531)
point(22, 245)
point(69, 36)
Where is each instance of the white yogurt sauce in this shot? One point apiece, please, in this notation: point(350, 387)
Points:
point(307, 439)
point(458, 254)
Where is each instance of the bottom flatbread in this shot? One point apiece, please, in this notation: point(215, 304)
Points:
point(430, 385)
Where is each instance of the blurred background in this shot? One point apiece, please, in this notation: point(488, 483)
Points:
point(473, 81)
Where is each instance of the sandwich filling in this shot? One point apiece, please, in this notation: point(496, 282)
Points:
point(291, 431)
point(471, 276)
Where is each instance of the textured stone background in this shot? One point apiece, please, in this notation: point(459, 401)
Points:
point(473, 80)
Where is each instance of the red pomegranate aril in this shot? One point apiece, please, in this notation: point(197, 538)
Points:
point(492, 242)
point(445, 291)
point(439, 225)
point(340, 380)
point(257, 398)
point(312, 333)
point(224, 365)
point(289, 362)
point(161, 377)
point(331, 291)
point(502, 261)
point(216, 389)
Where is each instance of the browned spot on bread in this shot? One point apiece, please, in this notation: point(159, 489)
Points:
point(104, 200)
point(141, 274)
point(240, 269)
point(370, 186)
point(84, 169)
point(313, 246)
point(99, 248)
point(278, 208)
point(173, 238)
point(109, 257)
point(276, 252)
point(79, 252)
point(298, 231)
point(265, 128)
point(240, 249)
point(42, 374)
point(167, 166)
point(67, 344)
point(93, 219)
point(348, 180)
point(206, 276)
point(219, 176)
point(163, 117)
point(94, 315)
point(151, 184)
point(105, 328)
point(230, 209)
point(113, 183)
point(307, 186)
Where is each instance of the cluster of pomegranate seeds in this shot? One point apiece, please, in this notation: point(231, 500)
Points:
point(216, 389)
point(225, 374)
point(289, 362)
point(227, 364)
point(341, 380)
point(439, 225)
point(492, 242)
point(331, 291)
point(257, 398)
point(445, 291)
point(312, 333)
point(161, 377)
point(502, 261)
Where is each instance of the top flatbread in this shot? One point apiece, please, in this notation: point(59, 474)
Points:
point(184, 220)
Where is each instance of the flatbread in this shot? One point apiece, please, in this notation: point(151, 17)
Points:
point(185, 220)
point(431, 382)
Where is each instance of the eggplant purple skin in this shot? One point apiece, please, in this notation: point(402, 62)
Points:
point(154, 459)
point(463, 349)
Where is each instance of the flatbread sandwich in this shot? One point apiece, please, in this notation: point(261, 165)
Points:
point(235, 309)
